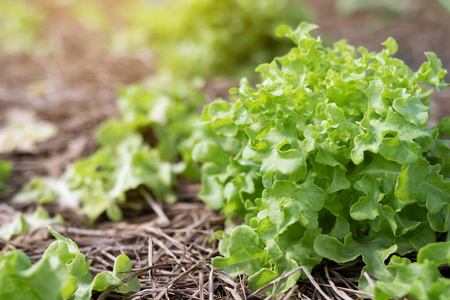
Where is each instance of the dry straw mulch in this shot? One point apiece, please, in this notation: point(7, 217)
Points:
point(171, 251)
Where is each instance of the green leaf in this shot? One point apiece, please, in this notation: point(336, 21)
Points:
point(437, 253)
point(21, 280)
point(391, 46)
point(208, 151)
point(333, 249)
point(375, 101)
point(301, 32)
point(266, 275)
point(367, 207)
point(5, 170)
point(64, 248)
point(374, 253)
point(307, 199)
point(354, 74)
point(340, 182)
point(431, 72)
point(249, 259)
point(410, 179)
point(81, 277)
point(412, 110)
point(420, 280)
point(279, 151)
point(121, 265)
point(435, 190)
point(23, 223)
point(444, 126)
point(105, 279)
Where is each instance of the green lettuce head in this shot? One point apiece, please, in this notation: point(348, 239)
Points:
point(329, 157)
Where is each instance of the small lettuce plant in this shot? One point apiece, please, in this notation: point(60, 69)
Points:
point(148, 145)
point(331, 156)
point(61, 273)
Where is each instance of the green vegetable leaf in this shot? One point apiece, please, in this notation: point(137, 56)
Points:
point(373, 252)
point(61, 273)
point(420, 280)
point(22, 223)
point(5, 170)
point(249, 259)
point(121, 265)
point(21, 280)
point(432, 72)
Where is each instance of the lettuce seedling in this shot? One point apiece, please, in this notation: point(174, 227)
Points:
point(329, 157)
point(22, 223)
point(61, 273)
point(148, 145)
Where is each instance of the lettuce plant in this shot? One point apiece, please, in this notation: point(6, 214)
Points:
point(207, 37)
point(329, 157)
point(148, 145)
point(22, 223)
point(61, 273)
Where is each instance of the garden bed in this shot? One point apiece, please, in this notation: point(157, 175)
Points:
point(75, 89)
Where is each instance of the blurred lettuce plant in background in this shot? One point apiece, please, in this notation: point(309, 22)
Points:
point(20, 24)
point(196, 37)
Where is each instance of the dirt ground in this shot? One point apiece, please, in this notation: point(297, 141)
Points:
point(75, 89)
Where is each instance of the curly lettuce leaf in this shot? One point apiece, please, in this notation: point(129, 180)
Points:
point(420, 280)
point(20, 279)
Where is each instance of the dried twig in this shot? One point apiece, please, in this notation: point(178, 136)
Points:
point(163, 220)
point(369, 280)
point(333, 286)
